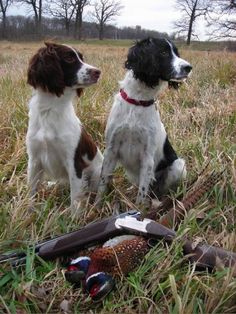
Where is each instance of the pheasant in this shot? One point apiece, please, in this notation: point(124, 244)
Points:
point(116, 258)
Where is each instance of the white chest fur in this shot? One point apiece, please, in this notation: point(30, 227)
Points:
point(53, 133)
point(133, 131)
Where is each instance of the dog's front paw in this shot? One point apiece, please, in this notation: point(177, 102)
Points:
point(98, 201)
point(143, 202)
point(76, 208)
point(140, 198)
point(99, 197)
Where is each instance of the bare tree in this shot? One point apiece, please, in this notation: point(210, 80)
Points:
point(222, 19)
point(4, 5)
point(37, 7)
point(79, 6)
point(191, 10)
point(64, 10)
point(105, 11)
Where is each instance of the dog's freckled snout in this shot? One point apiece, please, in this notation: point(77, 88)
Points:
point(94, 73)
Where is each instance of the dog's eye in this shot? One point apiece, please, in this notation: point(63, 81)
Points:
point(164, 53)
point(70, 58)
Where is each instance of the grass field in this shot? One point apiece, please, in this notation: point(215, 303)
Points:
point(200, 119)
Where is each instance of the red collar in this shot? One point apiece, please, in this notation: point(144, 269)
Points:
point(144, 103)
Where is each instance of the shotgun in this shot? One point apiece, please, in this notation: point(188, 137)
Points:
point(90, 235)
point(205, 256)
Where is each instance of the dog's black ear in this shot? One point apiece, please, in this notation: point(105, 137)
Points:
point(135, 59)
point(142, 61)
point(45, 71)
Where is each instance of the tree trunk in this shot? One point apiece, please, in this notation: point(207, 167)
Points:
point(190, 27)
point(67, 25)
point(4, 25)
point(78, 26)
point(101, 31)
point(40, 18)
point(36, 20)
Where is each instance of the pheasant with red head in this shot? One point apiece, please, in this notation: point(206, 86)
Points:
point(116, 258)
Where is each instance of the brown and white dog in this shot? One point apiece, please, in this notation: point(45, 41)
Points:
point(57, 143)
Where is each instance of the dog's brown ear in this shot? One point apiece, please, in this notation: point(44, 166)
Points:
point(79, 91)
point(51, 46)
point(45, 71)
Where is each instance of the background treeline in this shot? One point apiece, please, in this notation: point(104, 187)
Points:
point(21, 27)
point(77, 19)
point(90, 19)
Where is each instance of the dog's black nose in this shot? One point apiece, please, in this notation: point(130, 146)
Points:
point(187, 68)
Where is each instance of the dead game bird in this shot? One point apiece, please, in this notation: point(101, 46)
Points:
point(116, 258)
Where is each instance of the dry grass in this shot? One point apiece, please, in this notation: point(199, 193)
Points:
point(200, 119)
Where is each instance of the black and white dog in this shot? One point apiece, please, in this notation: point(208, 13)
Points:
point(135, 135)
point(57, 143)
